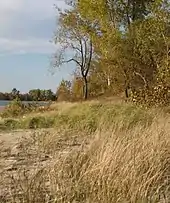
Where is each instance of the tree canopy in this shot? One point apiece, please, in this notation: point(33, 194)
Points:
point(129, 45)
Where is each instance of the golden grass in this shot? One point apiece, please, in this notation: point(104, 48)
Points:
point(115, 164)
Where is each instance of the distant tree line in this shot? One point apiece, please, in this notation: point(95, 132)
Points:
point(32, 95)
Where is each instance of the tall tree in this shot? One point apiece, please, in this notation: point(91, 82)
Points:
point(118, 40)
point(74, 37)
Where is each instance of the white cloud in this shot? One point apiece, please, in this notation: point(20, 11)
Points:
point(37, 9)
point(11, 46)
point(18, 19)
point(10, 5)
point(8, 8)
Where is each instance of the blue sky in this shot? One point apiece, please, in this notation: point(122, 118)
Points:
point(26, 28)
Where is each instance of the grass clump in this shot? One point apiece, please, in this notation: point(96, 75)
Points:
point(37, 122)
point(11, 124)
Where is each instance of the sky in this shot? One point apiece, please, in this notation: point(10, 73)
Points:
point(26, 30)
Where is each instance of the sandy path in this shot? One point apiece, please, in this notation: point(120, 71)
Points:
point(18, 153)
point(11, 138)
point(8, 145)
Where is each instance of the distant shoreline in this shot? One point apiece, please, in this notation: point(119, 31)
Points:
point(4, 103)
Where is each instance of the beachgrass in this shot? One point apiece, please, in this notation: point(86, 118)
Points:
point(91, 152)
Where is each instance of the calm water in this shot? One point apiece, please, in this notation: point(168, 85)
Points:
point(4, 102)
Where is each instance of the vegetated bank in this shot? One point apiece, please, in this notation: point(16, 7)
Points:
point(87, 116)
point(96, 152)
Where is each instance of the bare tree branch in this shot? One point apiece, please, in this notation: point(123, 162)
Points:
point(76, 48)
point(142, 77)
point(72, 59)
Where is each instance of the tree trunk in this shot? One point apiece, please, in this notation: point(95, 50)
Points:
point(108, 81)
point(126, 92)
point(85, 88)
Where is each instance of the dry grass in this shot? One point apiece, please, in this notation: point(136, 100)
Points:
point(123, 161)
point(128, 166)
point(112, 165)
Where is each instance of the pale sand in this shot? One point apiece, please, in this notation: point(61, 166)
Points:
point(1, 108)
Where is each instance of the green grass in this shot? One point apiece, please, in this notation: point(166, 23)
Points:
point(88, 116)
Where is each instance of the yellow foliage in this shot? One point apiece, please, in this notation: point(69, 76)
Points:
point(158, 95)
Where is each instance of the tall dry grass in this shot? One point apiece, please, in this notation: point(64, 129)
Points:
point(128, 166)
point(115, 165)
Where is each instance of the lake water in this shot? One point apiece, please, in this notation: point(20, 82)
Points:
point(5, 102)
